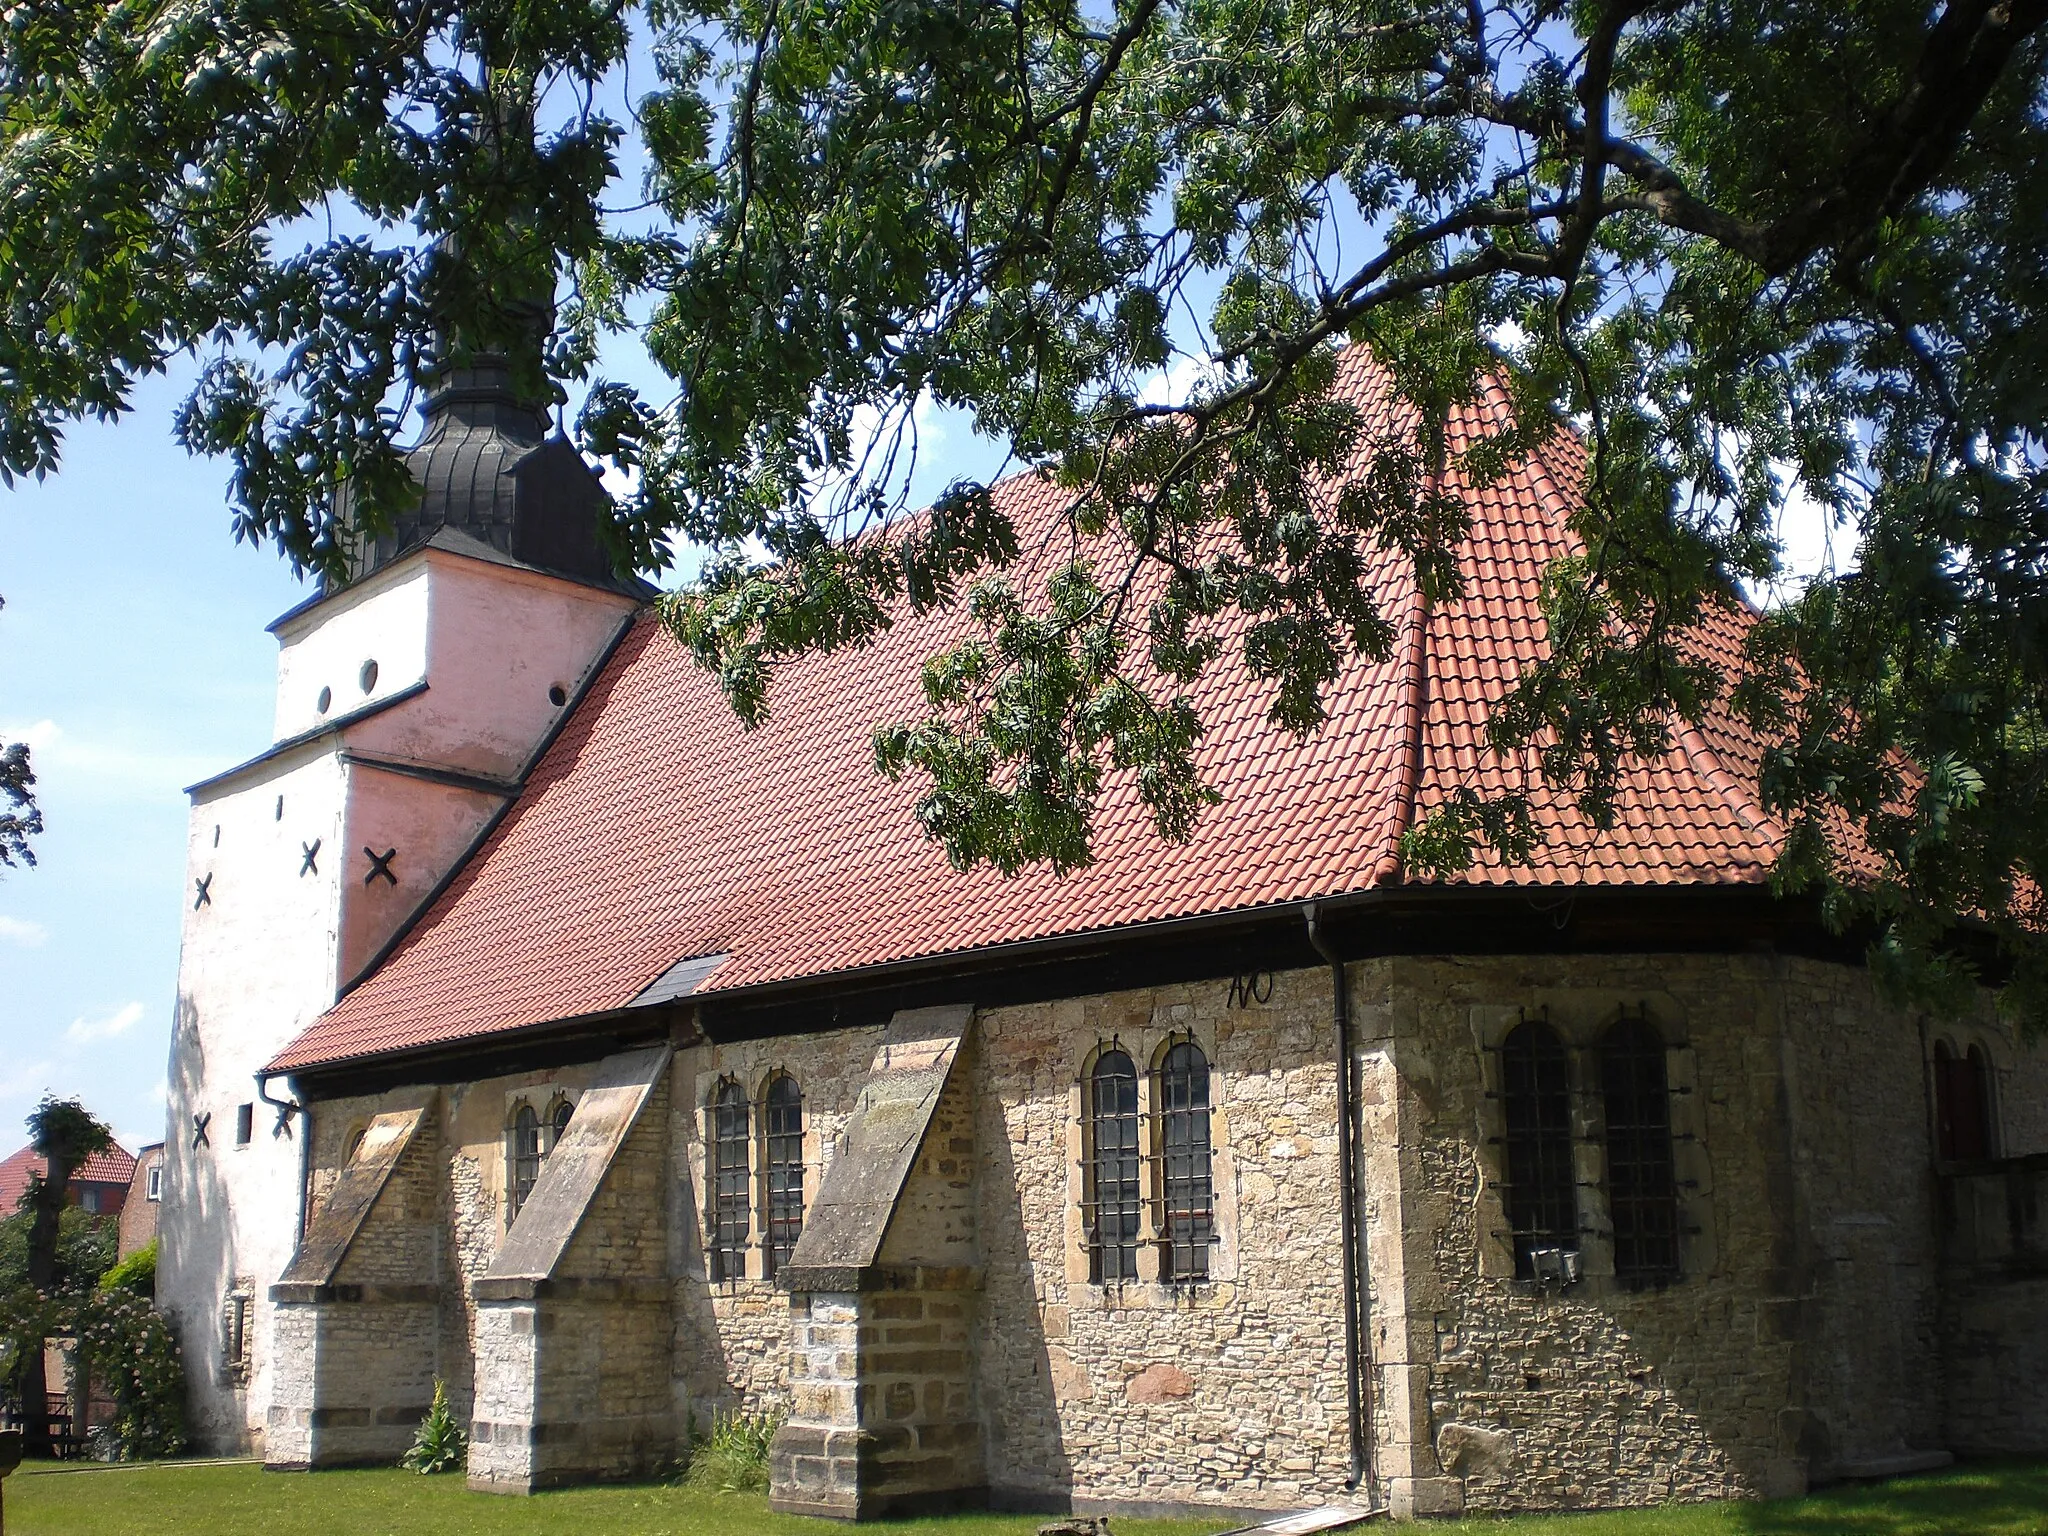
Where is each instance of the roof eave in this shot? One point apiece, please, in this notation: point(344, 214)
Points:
point(1281, 928)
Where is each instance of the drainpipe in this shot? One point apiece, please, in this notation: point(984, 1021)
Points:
point(1356, 1395)
point(286, 1108)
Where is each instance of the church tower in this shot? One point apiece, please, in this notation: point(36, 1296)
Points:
point(409, 703)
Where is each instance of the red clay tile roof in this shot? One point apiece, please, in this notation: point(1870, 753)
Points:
point(113, 1166)
point(655, 828)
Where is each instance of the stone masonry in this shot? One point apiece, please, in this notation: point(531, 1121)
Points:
point(884, 1283)
point(1813, 1331)
point(357, 1313)
point(572, 1375)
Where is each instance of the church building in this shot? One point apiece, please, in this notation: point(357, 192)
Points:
point(543, 1032)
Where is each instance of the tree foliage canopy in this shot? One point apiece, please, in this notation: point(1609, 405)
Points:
point(20, 817)
point(1751, 250)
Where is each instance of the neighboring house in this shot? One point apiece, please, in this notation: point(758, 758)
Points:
point(672, 1071)
point(100, 1184)
point(145, 1199)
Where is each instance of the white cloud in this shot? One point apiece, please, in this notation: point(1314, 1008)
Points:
point(19, 930)
point(27, 1078)
point(1813, 543)
point(106, 769)
point(1177, 383)
point(40, 737)
point(119, 1022)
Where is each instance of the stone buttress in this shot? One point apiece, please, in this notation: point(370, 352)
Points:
point(573, 1319)
point(885, 1284)
point(357, 1311)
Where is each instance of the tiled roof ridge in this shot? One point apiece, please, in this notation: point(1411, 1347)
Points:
point(1692, 742)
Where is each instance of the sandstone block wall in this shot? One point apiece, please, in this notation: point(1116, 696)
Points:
point(1229, 1393)
point(733, 1339)
point(1997, 1357)
point(574, 1361)
point(1812, 1229)
point(357, 1358)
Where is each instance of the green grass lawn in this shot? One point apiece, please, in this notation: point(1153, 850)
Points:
point(243, 1500)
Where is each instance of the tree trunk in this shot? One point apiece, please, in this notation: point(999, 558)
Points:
point(46, 1199)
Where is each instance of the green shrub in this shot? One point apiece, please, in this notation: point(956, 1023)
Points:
point(441, 1444)
point(733, 1458)
point(86, 1245)
point(135, 1273)
point(136, 1357)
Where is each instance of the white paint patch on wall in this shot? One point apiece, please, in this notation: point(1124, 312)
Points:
point(328, 650)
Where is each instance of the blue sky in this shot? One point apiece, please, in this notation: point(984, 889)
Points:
point(133, 658)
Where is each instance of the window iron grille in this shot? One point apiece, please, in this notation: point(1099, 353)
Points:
point(783, 1116)
point(1962, 1104)
point(1642, 1184)
point(1186, 1164)
point(1113, 1167)
point(526, 1153)
point(727, 1226)
point(1541, 1193)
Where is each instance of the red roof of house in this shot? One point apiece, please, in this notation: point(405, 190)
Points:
point(655, 828)
point(113, 1166)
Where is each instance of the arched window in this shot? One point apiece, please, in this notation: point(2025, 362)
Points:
point(558, 1121)
point(727, 1221)
point(783, 1168)
point(1542, 1194)
point(1113, 1192)
point(525, 1155)
point(1186, 1178)
point(1962, 1104)
point(1642, 1185)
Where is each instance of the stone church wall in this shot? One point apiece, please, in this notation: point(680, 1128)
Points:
point(1800, 1110)
point(733, 1340)
point(1230, 1392)
point(1596, 1394)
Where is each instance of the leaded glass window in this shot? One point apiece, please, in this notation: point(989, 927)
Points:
point(1186, 1174)
point(558, 1122)
point(1642, 1187)
point(784, 1171)
point(727, 1226)
point(1962, 1104)
point(1542, 1195)
point(525, 1155)
point(1113, 1176)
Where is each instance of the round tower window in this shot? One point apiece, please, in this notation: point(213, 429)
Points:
point(558, 695)
point(325, 701)
point(368, 676)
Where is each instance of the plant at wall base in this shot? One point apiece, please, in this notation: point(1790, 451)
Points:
point(135, 1356)
point(733, 1457)
point(441, 1444)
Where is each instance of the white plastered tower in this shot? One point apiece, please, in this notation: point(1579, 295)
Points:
point(410, 701)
